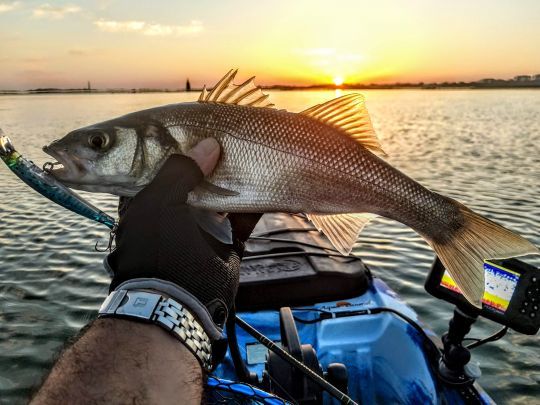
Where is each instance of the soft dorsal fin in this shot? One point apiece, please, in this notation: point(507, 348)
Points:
point(348, 113)
point(341, 229)
point(226, 92)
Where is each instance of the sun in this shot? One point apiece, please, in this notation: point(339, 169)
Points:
point(338, 80)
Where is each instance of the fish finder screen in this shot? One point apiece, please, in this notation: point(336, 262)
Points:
point(499, 287)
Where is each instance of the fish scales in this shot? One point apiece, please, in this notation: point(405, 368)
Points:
point(312, 167)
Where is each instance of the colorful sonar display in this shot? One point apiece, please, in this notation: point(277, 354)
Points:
point(499, 287)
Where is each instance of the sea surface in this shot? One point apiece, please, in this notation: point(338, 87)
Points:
point(481, 147)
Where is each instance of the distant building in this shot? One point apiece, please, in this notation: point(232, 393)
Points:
point(522, 78)
point(536, 78)
point(89, 88)
point(188, 85)
point(487, 81)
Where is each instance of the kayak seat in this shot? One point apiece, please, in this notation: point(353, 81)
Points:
point(289, 263)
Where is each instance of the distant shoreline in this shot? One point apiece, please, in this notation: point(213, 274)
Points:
point(480, 85)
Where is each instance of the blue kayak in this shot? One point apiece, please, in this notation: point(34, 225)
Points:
point(333, 315)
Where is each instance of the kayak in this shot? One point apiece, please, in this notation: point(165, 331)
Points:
point(333, 315)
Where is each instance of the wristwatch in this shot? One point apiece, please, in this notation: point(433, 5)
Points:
point(164, 311)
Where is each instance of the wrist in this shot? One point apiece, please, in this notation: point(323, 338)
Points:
point(171, 290)
point(209, 309)
point(140, 300)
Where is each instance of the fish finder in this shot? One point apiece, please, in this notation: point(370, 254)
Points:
point(511, 295)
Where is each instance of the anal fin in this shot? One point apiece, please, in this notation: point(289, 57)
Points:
point(342, 229)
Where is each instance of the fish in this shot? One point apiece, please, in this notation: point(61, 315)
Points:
point(325, 162)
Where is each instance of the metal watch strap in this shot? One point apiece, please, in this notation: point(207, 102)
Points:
point(165, 312)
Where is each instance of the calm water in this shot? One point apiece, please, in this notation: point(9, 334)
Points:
point(480, 147)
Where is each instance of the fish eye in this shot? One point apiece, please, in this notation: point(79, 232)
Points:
point(98, 140)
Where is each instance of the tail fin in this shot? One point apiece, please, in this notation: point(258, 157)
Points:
point(463, 254)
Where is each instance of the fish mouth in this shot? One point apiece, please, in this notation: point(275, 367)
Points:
point(66, 168)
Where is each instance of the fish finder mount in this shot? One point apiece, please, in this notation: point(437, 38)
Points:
point(454, 367)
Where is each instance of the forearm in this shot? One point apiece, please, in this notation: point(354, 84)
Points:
point(119, 361)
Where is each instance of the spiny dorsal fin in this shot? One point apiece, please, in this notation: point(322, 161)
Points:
point(225, 91)
point(341, 229)
point(348, 113)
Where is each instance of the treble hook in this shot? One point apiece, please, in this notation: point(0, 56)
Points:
point(109, 247)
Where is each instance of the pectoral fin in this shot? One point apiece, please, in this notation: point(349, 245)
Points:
point(212, 188)
point(214, 223)
point(342, 230)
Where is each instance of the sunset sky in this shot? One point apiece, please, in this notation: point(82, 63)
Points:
point(129, 44)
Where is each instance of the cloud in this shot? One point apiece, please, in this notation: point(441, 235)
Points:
point(8, 6)
point(54, 12)
point(150, 29)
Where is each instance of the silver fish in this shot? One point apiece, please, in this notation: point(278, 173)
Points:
point(321, 162)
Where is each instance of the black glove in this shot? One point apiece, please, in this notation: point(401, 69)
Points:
point(158, 238)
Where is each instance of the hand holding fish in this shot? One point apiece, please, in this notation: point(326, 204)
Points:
point(160, 246)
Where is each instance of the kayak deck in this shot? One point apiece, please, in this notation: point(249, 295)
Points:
point(388, 360)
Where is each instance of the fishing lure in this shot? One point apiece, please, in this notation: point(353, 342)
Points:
point(45, 184)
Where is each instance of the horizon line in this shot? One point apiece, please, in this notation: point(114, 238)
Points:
point(519, 80)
